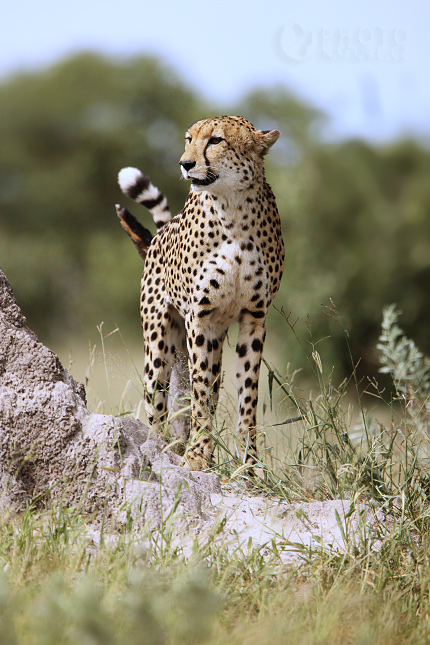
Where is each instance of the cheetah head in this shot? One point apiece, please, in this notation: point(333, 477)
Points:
point(225, 154)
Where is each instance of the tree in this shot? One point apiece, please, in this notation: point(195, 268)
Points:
point(64, 135)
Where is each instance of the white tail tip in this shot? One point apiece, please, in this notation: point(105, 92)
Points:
point(128, 177)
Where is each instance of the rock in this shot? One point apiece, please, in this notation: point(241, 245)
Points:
point(245, 522)
point(52, 448)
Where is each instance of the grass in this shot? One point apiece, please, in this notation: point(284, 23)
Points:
point(58, 586)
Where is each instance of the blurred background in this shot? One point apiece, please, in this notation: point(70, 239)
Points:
point(89, 87)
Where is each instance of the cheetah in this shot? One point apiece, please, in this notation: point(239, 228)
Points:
point(219, 261)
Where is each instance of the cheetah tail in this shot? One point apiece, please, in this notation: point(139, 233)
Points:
point(139, 188)
point(140, 236)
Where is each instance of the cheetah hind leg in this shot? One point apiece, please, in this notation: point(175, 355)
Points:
point(165, 381)
point(178, 400)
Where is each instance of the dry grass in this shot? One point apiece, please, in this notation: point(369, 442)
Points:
point(56, 586)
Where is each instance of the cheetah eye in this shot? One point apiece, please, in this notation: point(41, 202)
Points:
point(215, 140)
point(187, 139)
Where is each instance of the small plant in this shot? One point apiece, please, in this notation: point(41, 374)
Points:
point(408, 367)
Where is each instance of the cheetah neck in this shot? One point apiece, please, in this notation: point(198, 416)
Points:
point(239, 210)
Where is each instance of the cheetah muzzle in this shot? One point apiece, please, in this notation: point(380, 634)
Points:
point(219, 261)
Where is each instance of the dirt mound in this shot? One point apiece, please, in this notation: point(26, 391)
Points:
point(52, 448)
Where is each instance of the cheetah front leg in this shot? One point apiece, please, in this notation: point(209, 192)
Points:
point(204, 355)
point(249, 349)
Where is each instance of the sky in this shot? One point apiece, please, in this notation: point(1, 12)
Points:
point(366, 63)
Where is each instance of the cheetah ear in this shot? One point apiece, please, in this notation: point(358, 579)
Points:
point(265, 140)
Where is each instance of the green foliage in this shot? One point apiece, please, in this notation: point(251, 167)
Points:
point(64, 134)
point(355, 217)
point(358, 233)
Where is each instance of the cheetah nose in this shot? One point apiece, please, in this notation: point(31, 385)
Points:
point(187, 165)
